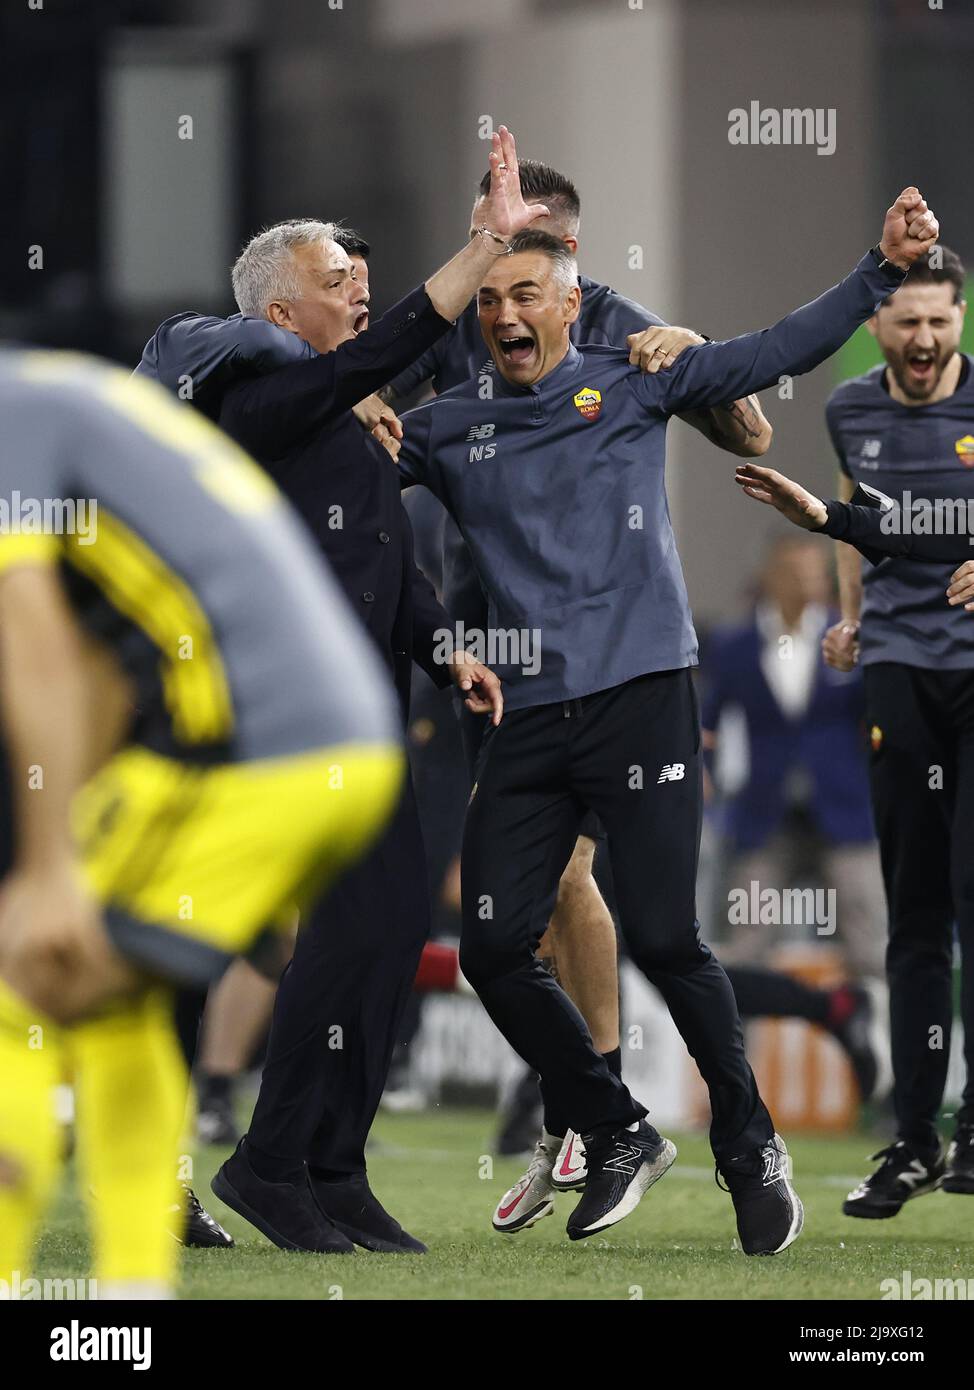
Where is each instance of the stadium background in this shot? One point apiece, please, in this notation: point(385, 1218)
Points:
point(373, 111)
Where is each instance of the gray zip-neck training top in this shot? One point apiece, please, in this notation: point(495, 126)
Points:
point(559, 491)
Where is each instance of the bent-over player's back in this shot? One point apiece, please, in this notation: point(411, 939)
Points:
point(179, 552)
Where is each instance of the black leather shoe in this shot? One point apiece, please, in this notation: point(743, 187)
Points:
point(284, 1212)
point(352, 1207)
point(198, 1228)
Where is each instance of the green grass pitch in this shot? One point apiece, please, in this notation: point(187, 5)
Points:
point(433, 1170)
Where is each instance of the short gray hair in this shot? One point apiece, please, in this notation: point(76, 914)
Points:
point(265, 269)
point(564, 267)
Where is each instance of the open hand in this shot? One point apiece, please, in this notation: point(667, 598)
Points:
point(794, 502)
point(505, 211)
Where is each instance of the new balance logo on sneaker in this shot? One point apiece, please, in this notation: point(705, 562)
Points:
point(621, 1168)
point(769, 1213)
point(901, 1176)
point(671, 772)
point(624, 1159)
point(777, 1165)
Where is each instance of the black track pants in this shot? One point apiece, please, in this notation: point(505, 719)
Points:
point(632, 755)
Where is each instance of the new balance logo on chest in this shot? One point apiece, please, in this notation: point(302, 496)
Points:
point(480, 451)
point(869, 453)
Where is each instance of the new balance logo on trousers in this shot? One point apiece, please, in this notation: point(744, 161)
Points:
point(671, 772)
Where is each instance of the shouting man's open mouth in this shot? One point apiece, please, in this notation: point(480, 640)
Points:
point(518, 349)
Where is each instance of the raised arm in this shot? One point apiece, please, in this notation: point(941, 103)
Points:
point(269, 414)
point(716, 372)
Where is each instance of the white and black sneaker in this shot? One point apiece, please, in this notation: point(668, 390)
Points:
point(532, 1197)
point(571, 1168)
point(622, 1166)
point(769, 1213)
point(901, 1176)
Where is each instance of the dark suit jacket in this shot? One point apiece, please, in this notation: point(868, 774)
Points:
point(827, 741)
point(298, 422)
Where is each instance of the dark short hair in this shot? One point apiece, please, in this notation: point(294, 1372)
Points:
point(542, 184)
point(948, 270)
point(551, 246)
point(352, 242)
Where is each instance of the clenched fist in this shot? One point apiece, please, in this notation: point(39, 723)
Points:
point(910, 229)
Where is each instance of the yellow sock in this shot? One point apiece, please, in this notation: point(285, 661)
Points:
point(31, 1057)
point(130, 1085)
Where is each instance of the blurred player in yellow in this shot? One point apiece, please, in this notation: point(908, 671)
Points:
point(200, 736)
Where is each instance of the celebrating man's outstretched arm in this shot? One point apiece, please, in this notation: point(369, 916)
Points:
point(716, 372)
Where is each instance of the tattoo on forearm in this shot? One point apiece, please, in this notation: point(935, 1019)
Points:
point(746, 414)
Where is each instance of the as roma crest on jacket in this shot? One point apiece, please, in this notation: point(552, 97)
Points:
point(588, 402)
point(965, 450)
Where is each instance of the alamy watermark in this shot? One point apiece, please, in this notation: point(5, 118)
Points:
point(49, 516)
point(755, 906)
point(789, 125)
point(497, 646)
point(78, 1343)
point(18, 1289)
point(923, 1290)
point(929, 516)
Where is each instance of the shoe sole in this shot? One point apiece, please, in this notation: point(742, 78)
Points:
point(960, 1183)
point(224, 1242)
point(227, 1244)
point(374, 1244)
point(577, 1186)
point(230, 1197)
point(531, 1219)
point(885, 1213)
point(648, 1174)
